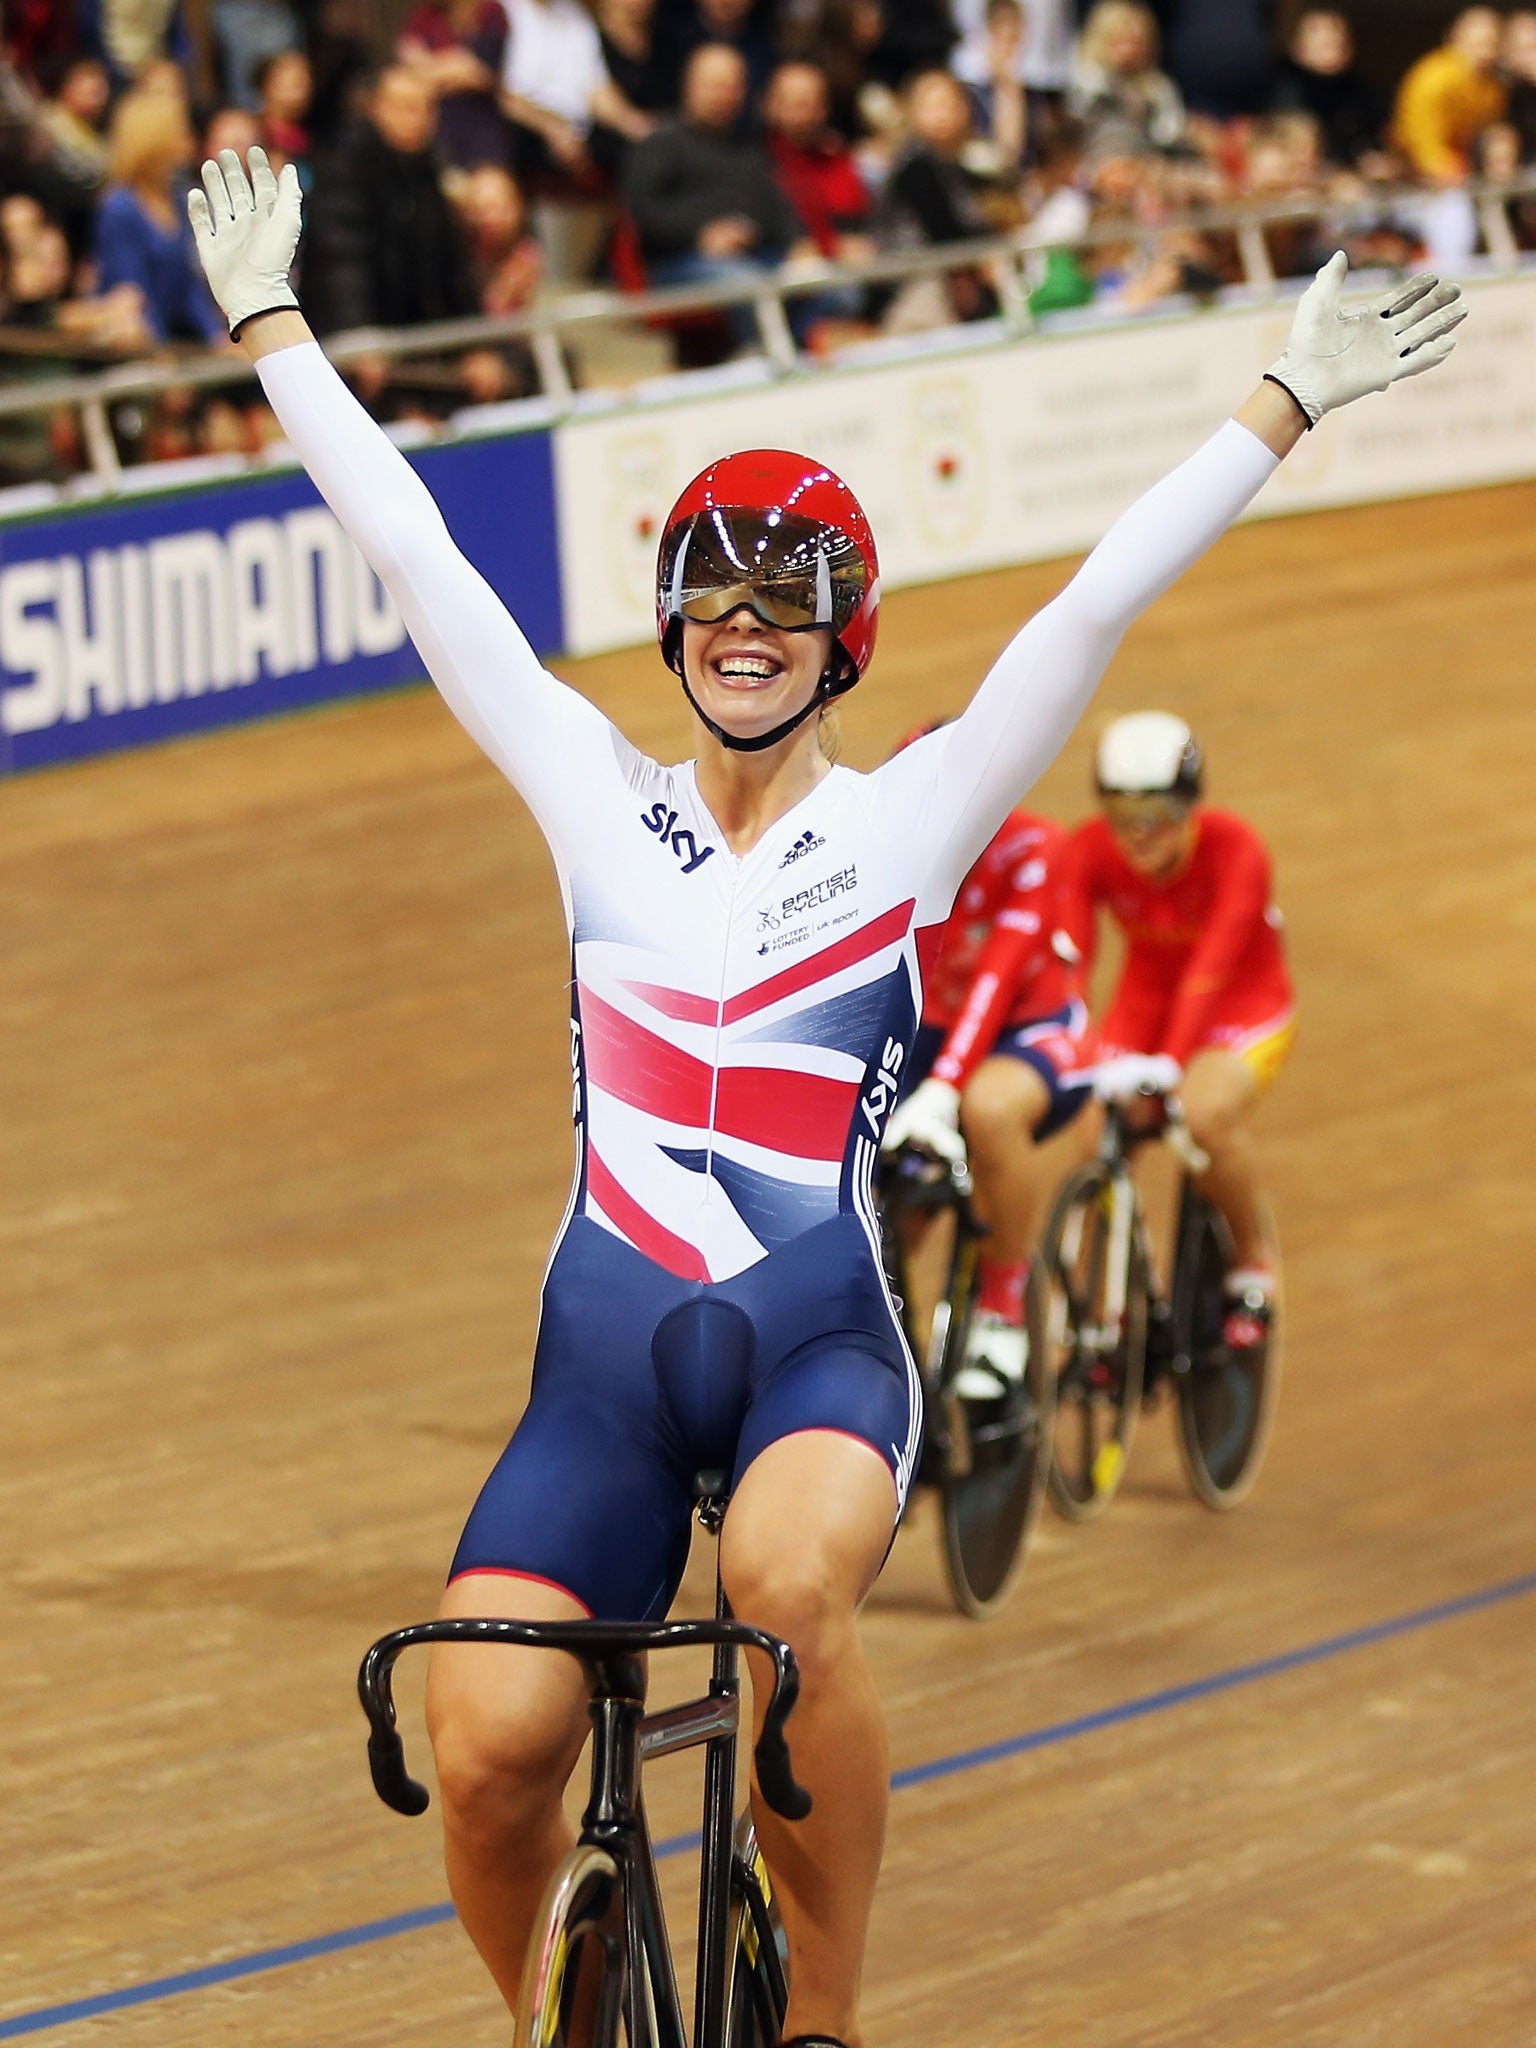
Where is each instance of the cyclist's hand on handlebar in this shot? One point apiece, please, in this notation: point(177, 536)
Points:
point(1131, 1074)
point(930, 1117)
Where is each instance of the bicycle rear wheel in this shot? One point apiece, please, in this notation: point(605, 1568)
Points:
point(1226, 1398)
point(994, 1477)
point(757, 1952)
point(577, 1960)
point(1094, 1356)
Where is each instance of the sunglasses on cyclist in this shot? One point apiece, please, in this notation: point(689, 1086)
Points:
point(795, 574)
point(1132, 816)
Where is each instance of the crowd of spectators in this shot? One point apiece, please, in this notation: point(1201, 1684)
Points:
point(704, 140)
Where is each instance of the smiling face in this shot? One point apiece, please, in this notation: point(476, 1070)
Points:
point(749, 677)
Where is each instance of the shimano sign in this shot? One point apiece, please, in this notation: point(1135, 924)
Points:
point(146, 620)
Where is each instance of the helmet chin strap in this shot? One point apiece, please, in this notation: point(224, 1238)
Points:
point(755, 745)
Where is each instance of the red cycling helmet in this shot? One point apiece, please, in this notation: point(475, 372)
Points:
point(784, 536)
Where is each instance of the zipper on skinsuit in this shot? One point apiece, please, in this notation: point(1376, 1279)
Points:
point(714, 1074)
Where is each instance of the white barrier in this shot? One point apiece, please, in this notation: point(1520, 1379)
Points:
point(1028, 451)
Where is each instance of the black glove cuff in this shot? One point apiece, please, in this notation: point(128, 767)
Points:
point(286, 306)
point(1271, 378)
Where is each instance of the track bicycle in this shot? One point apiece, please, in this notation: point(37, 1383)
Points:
point(987, 1460)
point(600, 1966)
point(1113, 1334)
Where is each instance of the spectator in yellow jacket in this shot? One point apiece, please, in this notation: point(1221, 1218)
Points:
point(1449, 97)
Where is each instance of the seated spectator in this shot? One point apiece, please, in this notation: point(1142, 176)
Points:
point(32, 159)
point(815, 166)
point(1220, 54)
point(40, 290)
point(1042, 59)
point(555, 86)
point(142, 235)
point(1520, 69)
point(460, 48)
point(1005, 113)
point(248, 33)
point(1320, 77)
point(75, 112)
point(1285, 162)
point(1059, 215)
point(704, 199)
point(383, 246)
point(742, 25)
point(285, 87)
point(229, 128)
point(1449, 97)
point(932, 198)
point(841, 38)
point(636, 63)
point(1116, 77)
point(505, 258)
point(130, 35)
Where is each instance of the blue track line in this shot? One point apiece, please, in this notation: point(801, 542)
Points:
point(45, 2017)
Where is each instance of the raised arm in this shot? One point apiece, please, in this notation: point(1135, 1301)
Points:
point(537, 731)
point(962, 780)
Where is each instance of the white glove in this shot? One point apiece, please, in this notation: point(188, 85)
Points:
point(930, 1117)
point(1136, 1073)
point(1335, 354)
point(246, 238)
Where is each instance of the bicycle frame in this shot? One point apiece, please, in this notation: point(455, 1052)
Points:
point(624, 1737)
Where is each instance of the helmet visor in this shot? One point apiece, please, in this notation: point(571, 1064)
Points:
point(1132, 816)
point(795, 574)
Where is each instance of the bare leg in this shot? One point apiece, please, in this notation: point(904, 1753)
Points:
point(804, 1540)
point(507, 1727)
point(1003, 1101)
point(1218, 1093)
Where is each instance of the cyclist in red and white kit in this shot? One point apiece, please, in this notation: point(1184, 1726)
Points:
point(1204, 1003)
point(1004, 1054)
point(744, 983)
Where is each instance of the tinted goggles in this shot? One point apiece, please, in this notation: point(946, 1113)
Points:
point(1132, 816)
point(791, 573)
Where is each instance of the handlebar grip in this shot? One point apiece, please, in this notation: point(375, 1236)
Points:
point(393, 1783)
point(777, 1779)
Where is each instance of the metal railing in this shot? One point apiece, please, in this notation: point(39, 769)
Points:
point(546, 329)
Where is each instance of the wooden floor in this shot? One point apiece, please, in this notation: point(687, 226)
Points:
point(283, 1094)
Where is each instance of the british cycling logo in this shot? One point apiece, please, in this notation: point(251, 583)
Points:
point(824, 891)
point(663, 823)
point(806, 843)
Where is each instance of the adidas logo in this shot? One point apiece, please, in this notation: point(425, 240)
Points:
point(806, 843)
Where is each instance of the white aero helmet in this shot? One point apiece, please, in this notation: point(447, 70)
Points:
point(1149, 753)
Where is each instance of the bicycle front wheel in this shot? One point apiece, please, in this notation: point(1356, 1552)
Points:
point(1094, 1342)
point(1226, 1398)
point(757, 1952)
point(575, 1979)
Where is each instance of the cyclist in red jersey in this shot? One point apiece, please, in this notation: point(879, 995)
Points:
point(1205, 996)
point(1003, 1053)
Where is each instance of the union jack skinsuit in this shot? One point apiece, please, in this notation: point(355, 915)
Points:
point(740, 1024)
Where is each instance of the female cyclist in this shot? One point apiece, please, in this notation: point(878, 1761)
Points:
point(744, 986)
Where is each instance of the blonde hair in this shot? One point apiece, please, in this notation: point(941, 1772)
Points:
point(1105, 19)
point(147, 138)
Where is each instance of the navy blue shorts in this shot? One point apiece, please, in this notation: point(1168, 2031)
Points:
point(641, 1380)
point(1059, 1048)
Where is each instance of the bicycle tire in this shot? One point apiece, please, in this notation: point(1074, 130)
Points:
point(1226, 1401)
point(1098, 1391)
point(994, 1482)
point(757, 1950)
point(581, 1921)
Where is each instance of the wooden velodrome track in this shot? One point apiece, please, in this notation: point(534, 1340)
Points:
point(283, 1109)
